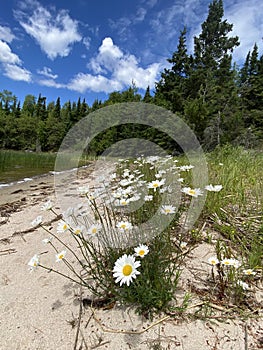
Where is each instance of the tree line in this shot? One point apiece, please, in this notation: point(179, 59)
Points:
point(221, 102)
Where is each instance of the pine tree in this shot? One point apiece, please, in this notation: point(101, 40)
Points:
point(170, 90)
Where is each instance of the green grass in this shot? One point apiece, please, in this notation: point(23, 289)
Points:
point(236, 211)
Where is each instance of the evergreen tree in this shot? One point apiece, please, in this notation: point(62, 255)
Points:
point(147, 96)
point(170, 90)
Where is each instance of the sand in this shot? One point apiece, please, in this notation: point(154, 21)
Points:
point(42, 310)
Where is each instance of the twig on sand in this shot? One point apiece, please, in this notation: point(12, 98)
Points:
point(79, 320)
point(246, 342)
point(111, 330)
point(7, 251)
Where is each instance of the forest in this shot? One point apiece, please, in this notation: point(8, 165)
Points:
point(221, 102)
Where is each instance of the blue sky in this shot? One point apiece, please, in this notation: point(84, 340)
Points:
point(89, 48)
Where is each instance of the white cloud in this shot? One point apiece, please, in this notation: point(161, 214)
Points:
point(15, 72)
point(86, 41)
point(6, 55)
point(140, 14)
point(47, 72)
point(6, 34)
point(51, 83)
point(113, 70)
point(55, 33)
point(98, 83)
point(248, 26)
point(11, 64)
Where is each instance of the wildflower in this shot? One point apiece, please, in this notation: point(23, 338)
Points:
point(83, 190)
point(213, 261)
point(167, 209)
point(183, 245)
point(62, 227)
point(94, 229)
point(60, 256)
point(141, 250)
point(215, 188)
point(156, 184)
point(37, 221)
point(249, 272)
point(186, 167)
point(124, 225)
point(192, 192)
point(242, 284)
point(33, 263)
point(124, 201)
point(125, 182)
point(231, 262)
point(125, 269)
point(77, 230)
point(47, 206)
point(47, 240)
point(148, 198)
point(113, 176)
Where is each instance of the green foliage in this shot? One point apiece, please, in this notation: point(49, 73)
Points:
point(221, 103)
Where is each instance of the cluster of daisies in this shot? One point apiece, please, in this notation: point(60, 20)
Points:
point(125, 267)
point(129, 185)
point(230, 262)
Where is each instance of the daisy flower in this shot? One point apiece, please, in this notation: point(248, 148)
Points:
point(242, 284)
point(156, 184)
point(78, 230)
point(186, 167)
point(37, 221)
point(33, 263)
point(141, 250)
point(123, 201)
point(231, 262)
point(183, 245)
point(124, 225)
point(83, 190)
point(213, 261)
point(214, 188)
point(60, 256)
point(192, 192)
point(94, 229)
point(167, 209)
point(47, 240)
point(47, 206)
point(125, 269)
point(249, 272)
point(62, 227)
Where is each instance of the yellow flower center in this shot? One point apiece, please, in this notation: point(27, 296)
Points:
point(141, 252)
point(155, 185)
point(123, 226)
point(127, 270)
point(226, 263)
point(77, 232)
point(61, 256)
point(94, 230)
point(192, 192)
point(65, 226)
point(167, 210)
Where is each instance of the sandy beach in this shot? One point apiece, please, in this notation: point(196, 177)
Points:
point(43, 311)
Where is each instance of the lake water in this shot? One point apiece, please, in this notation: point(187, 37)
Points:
point(18, 166)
